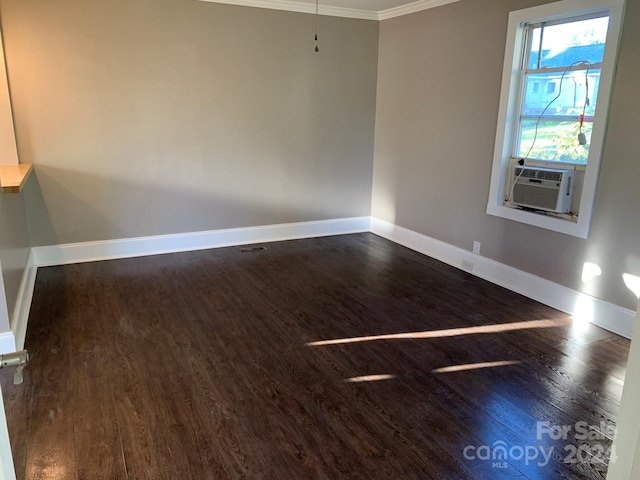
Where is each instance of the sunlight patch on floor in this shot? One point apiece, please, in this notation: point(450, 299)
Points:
point(453, 332)
point(370, 378)
point(583, 313)
point(475, 366)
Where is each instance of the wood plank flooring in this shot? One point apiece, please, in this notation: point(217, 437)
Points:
point(344, 357)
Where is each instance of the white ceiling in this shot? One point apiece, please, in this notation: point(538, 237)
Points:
point(366, 9)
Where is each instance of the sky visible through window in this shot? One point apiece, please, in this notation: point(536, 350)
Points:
point(558, 38)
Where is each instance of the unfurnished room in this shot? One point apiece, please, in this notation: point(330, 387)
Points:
point(337, 239)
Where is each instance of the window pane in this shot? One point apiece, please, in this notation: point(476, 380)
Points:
point(568, 43)
point(556, 140)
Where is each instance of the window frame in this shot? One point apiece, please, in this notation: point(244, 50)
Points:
point(510, 106)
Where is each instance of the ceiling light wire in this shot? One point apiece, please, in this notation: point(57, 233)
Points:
point(316, 36)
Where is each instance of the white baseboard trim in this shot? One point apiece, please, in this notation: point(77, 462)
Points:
point(183, 242)
point(612, 317)
point(604, 314)
point(20, 316)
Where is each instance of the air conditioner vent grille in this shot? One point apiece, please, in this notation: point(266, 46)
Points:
point(553, 176)
point(539, 174)
point(527, 173)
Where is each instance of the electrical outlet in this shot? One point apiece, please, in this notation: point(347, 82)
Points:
point(476, 248)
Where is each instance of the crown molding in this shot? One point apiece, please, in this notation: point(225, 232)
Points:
point(290, 6)
point(412, 8)
point(332, 11)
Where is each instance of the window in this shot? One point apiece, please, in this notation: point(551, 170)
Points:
point(557, 77)
point(566, 55)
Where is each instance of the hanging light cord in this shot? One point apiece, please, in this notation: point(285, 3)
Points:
point(316, 37)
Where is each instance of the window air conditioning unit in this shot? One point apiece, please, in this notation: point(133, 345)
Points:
point(543, 188)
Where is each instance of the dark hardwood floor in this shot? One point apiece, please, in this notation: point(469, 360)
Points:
point(337, 358)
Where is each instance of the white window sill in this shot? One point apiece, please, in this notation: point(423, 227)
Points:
point(568, 227)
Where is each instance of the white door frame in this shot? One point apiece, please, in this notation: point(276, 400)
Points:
point(7, 471)
point(626, 445)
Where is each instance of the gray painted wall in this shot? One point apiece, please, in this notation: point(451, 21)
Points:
point(14, 246)
point(439, 78)
point(147, 117)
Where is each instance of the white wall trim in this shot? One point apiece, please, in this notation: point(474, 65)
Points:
point(412, 8)
point(612, 317)
point(20, 316)
point(334, 11)
point(292, 6)
point(183, 242)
